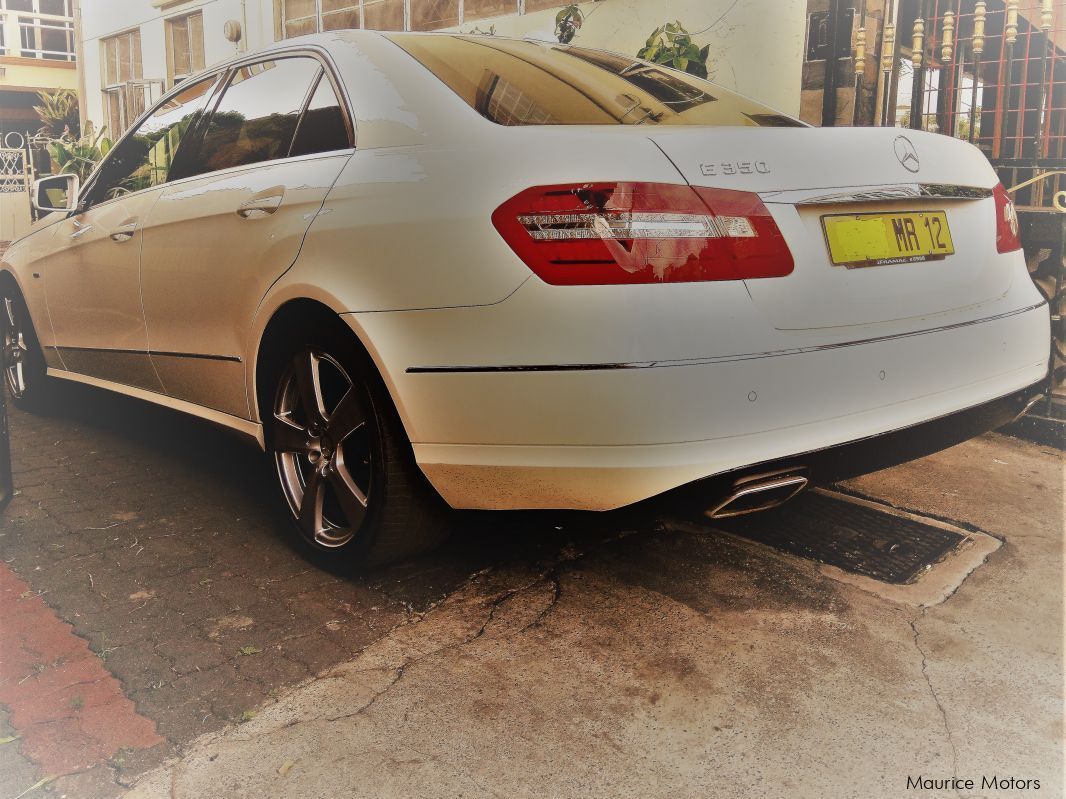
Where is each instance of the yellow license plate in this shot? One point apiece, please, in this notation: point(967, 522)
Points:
point(894, 238)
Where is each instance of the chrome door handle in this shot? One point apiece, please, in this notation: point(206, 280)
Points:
point(258, 207)
point(124, 232)
point(81, 231)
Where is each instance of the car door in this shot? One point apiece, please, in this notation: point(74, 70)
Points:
point(234, 219)
point(92, 275)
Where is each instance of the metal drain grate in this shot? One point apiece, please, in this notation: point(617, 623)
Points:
point(853, 537)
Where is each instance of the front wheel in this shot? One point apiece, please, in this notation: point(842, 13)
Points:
point(344, 466)
point(25, 374)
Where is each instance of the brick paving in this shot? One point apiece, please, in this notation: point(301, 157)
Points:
point(70, 712)
point(155, 536)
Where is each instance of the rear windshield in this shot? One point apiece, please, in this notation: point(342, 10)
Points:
point(515, 82)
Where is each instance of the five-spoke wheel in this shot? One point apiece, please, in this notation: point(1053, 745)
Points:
point(323, 448)
point(16, 352)
point(349, 483)
point(21, 357)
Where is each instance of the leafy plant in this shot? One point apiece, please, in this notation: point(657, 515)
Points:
point(477, 31)
point(567, 23)
point(59, 113)
point(672, 46)
point(79, 156)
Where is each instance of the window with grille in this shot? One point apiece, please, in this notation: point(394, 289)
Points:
point(185, 47)
point(121, 64)
point(38, 29)
point(299, 17)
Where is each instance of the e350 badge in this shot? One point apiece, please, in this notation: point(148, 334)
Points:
point(734, 168)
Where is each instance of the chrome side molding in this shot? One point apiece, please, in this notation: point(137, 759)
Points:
point(591, 367)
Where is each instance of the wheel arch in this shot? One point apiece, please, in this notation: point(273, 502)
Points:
point(297, 313)
point(8, 277)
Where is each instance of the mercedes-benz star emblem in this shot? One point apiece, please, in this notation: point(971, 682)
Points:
point(906, 154)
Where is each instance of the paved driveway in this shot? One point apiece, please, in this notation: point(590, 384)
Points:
point(537, 654)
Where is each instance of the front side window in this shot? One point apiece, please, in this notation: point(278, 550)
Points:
point(531, 83)
point(145, 158)
point(257, 116)
point(185, 47)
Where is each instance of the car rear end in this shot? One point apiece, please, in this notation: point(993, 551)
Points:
point(706, 301)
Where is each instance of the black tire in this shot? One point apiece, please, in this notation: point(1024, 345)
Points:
point(403, 515)
point(25, 375)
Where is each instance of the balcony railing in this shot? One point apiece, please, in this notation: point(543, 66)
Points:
point(42, 36)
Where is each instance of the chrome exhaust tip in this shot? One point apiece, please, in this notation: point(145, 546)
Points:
point(759, 492)
point(1036, 400)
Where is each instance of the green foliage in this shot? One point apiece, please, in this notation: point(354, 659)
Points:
point(58, 112)
point(567, 23)
point(79, 156)
point(672, 46)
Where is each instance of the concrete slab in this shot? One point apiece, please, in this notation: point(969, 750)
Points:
point(676, 664)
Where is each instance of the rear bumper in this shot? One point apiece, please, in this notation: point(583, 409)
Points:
point(882, 451)
point(594, 478)
point(838, 412)
point(594, 438)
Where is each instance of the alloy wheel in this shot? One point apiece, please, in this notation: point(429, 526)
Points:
point(322, 439)
point(16, 351)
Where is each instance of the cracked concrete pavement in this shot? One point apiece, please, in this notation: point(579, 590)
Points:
point(668, 664)
point(550, 655)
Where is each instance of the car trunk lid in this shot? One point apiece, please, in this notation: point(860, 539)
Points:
point(878, 175)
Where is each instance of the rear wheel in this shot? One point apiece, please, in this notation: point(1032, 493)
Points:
point(343, 463)
point(25, 374)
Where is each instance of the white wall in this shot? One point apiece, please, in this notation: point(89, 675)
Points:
point(103, 18)
point(14, 216)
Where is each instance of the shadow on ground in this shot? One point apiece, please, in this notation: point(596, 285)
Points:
point(159, 537)
point(233, 465)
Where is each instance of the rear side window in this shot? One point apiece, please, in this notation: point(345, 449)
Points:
point(256, 118)
point(322, 128)
point(532, 83)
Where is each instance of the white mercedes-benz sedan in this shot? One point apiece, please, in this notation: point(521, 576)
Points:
point(512, 274)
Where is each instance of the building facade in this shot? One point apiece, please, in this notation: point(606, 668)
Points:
point(37, 52)
point(135, 49)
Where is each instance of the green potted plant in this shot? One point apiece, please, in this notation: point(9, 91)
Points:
point(567, 23)
point(79, 156)
point(671, 45)
point(58, 113)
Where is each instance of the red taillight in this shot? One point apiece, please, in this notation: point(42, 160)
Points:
point(602, 233)
point(1007, 239)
